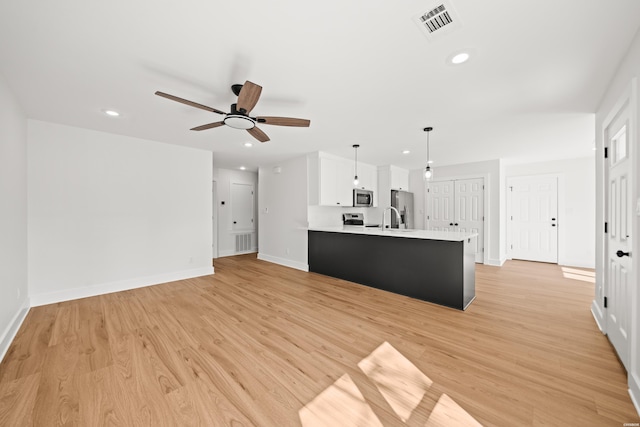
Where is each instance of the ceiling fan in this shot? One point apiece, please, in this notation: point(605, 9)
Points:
point(248, 95)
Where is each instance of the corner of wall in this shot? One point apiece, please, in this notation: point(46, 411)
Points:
point(12, 328)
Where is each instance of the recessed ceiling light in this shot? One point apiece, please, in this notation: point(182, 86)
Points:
point(406, 152)
point(248, 144)
point(111, 113)
point(460, 58)
point(242, 168)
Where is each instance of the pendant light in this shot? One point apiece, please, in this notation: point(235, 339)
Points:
point(428, 173)
point(355, 177)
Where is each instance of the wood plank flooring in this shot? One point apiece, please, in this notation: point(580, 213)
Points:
point(258, 344)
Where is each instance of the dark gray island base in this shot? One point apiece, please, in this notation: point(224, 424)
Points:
point(437, 271)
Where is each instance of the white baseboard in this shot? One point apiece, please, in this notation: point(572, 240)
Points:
point(122, 285)
point(222, 254)
point(283, 261)
point(598, 316)
point(495, 262)
point(634, 391)
point(12, 328)
point(579, 263)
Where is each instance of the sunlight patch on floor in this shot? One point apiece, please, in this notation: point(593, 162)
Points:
point(398, 380)
point(340, 404)
point(576, 274)
point(447, 413)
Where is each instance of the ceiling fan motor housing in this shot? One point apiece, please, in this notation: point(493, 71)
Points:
point(237, 120)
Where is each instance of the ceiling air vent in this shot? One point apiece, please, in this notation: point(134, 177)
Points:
point(437, 20)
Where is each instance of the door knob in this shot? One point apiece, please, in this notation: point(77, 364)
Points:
point(450, 223)
point(621, 254)
point(456, 224)
point(553, 225)
point(553, 219)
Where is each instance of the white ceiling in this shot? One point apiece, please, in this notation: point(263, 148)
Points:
point(362, 71)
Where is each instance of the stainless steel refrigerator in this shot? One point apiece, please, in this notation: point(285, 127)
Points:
point(403, 201)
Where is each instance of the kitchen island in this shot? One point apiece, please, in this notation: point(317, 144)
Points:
point(434, 266)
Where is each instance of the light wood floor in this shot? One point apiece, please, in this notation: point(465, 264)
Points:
point(264, 345)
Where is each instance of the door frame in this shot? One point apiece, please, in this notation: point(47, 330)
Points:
point(214, 218)
point(561, 212)
point(487, 190)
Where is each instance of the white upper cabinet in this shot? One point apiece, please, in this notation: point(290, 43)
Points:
point(368, 177)
point(331, 179)
point(391, 178)
point(399, 178)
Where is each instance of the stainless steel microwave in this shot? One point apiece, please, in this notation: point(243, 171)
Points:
point(362, 198)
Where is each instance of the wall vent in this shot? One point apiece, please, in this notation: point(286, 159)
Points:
point(243, 243)
point(438, 19)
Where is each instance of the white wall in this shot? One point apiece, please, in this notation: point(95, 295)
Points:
point(576, 206)
point(14, 301)
point(282, 204)
point(224, 178)
point(628, 71)
point(494, 210)
point(109, 212)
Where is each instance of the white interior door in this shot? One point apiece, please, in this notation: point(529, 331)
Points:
point(242, 207)
point(533, 218)
point(619, 217)
point(440, 206)
point(457, 205)
point(469, 210)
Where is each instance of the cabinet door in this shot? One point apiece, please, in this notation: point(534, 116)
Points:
point(328, 182)
point(336, 182)
point(399, 179)
point(344, 184)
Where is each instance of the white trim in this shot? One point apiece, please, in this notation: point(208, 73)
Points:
point(223, 254)
point(598, 316)
point(12, 328)
point(634, 391)
point(284, 261)
point(495, 262)
point(121, 285)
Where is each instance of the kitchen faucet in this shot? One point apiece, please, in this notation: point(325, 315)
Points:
point(397, 213)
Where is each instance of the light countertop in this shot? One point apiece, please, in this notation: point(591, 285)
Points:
point(452, 236)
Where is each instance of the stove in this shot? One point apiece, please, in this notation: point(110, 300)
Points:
point(352, 219)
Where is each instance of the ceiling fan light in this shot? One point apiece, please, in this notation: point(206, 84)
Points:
point(239, 122)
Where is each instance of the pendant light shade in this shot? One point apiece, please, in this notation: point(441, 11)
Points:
point(428, 173)
point(355, 175)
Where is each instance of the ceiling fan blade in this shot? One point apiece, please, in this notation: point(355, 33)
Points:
point(209, 126)
point(187, 102)
point(258, 134)
point(284, 121)
point(248, 97)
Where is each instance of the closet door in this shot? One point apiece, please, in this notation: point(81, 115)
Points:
point(457, 205)
point(440, 206)
point(469, 210)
